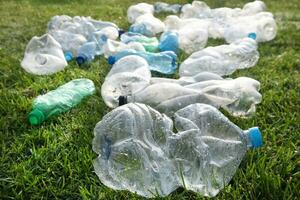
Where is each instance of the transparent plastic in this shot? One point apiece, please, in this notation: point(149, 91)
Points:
point(139, 151)
point(43, 56)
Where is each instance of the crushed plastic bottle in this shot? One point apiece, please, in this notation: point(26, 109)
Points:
point(263, 24)
point(43, 56)
point(199, 9)
point(84, 26)
point(100, 37)
point(86, 53)
point(138, 150)
point(138, 10)
point(223, 59)
point(69, 42)
point(60, 100)
point(150, 43)
point(163, 62)
point(164, 7)
point(128, 75)
point(169, 41)
point(112, 47)
point(193, 33)
point(147, 25)
point(238, 96)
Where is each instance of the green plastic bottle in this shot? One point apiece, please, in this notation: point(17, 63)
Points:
point(60, 100)
point(150, 44)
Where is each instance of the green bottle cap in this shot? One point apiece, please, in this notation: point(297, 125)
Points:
point(36, 117)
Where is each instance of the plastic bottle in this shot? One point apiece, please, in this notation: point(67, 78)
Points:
point(223, 59)
point(69, 42)
point(193, 33)
point(139, 151)
point(150, 43)
point(163, 62)
point(128, 75)
point(112, 47)
point(169, 41)
point(60, 100)
point(137, 10)
point(238, 96)
point(147, 25)
point(86, 53)
point(43, 56)
point(164, 7)
point(199, 9)
point(263, 24)
point(100, 37)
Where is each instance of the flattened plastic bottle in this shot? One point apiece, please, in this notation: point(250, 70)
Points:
point(138, 150)
point(164, 7)
point(147, 25)
point(137, 10)
point(128, 75)
point(262, 24)
point(238, 96)
point(69, 42)
point(100, 38)
point(112, 47)
point(150, 43)
point(43, 56)
point(193, 33)
point(163, 62)
point(223, 59)
point(60, 100)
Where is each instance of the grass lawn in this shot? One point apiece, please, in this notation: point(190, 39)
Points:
point(54, 160)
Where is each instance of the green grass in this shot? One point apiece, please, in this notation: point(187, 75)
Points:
point(55, 159)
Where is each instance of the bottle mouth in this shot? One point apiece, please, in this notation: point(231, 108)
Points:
point(121, 32)
point(36, 117)
point(81, 59)
point(122, 100)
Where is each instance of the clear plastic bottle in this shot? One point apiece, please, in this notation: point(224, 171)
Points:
point(147, 25)
point(112, 47)
point(128, 75)
point(223, 59)
point(164, 7)
point(137, 10)
point(43, 56)
point(140, 152)
point(238, 96)
point(60, 100)
point(163, 62)
point(69, 42)
point(86, 53)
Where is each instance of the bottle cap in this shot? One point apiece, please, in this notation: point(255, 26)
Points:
point(111, 60)
point(252, 36)
point(121, 31)
point(255, 137)
point(36, 117)
point(80, 59)
point(68, 56)
point(122, 100)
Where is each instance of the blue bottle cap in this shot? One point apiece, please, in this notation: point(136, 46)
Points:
point(252, 36)
point(255, 137)
point(111, 60)
point(81, 59)
point(68, 56)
